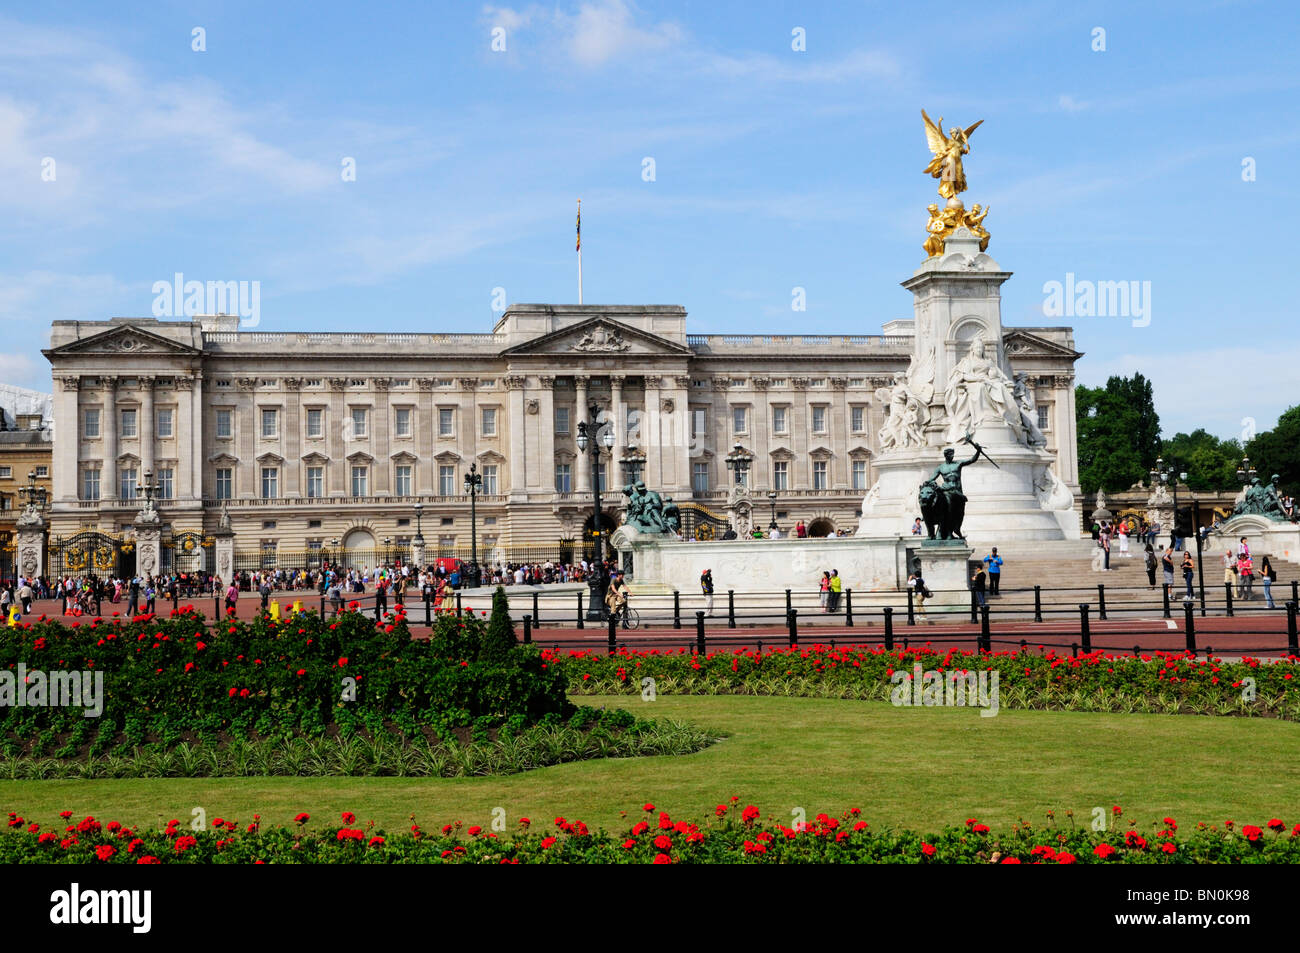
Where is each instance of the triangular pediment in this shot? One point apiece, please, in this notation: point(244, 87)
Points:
point(1021, 343)
point(598, 336)
point(127, 339)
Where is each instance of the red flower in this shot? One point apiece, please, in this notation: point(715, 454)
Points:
point(475, 831)
point(663, 859)
point(1064, 858)
point(648, 808)
point(1251, 832)
point(302, 818)
point(663, 842)
point(185, 843)
point(1103, 850)
point(1168, 847)
point(547, 842)
point(927, 849)
point(376, 841)
point(750, 814)
point(349, 817)
point(1276, 824)
point(629, 844)
point(1010, 860)
point(150, 859)
point(105, 851)
point(980, 829)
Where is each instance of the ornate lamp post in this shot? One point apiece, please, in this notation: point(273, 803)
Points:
point(418, 542)
point(738, 462)
point(1246, 471)
point(1169, 474)
point(473, 486)
point(34, 495)
point(771, 498)
point(632, 463)
point(148, 488)
point(334, 545)
point(388, 551)
point(591, 436)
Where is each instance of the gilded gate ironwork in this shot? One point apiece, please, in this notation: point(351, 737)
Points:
point(103, 554)
point(699, 522)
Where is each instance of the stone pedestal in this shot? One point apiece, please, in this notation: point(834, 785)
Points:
point(30, 552)
point(417, 552)
point(148, 548)
point(223, 544)
point(943, 567)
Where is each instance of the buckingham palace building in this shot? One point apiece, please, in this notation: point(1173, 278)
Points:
point(310, 443)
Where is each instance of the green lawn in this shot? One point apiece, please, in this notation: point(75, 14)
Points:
point(914, 767)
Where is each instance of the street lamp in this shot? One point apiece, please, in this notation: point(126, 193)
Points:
point(148, 488)
point(1168, 474)
point(419, 534)
point(587, 437)
point(632, 463)
point(331, 555)
point(33, 494)
point(387, 550)
point(473, 486)
point(738, 462)
point(1246, 471)
point(771, 498)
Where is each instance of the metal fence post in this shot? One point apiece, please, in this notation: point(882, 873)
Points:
point(1292, 643)
point(699, 632)
point(889, 628)
point(1101, 600)
point(1227, 588)
point(428, 608)
point(911, 609)
point(580, 625)
point(459, 609)
point(537, 612)
point(792, 620)
point(986, 641)
point(1189, 625)
point(974, 608)
point(1085, 634)
point(731, 608)
point(322, 608)
point(848, 607)
point(1038, 603)
point(613, 632)
point(1164, 588)
point(677, 609)
point(528, 629)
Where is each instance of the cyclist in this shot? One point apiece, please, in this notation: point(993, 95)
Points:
point(616, 598)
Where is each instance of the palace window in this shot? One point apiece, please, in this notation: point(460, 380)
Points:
point(128, 423)
point(819, 475)
point(859, 474)
point(164, 426)
point(358, 421)
point(90, 424)
point(126, 483)
point(819, 419)
point(857, 419)
point(315, 482)
point(224, 483)
point(42, 472)
point(489, 421)
point(446, 480)
point(700, 477)
point(738, 420)
point(315, 423)
point(1042, 417)
point(6, 473)
point(270, 483)
point(402, 422)
point(269, 428)
point(225, 424)
point(563, 478)
point(90, 484)
point(360, 481)
point(562, 420)
point(446, 422)
point(402, 480)
point(165, 481)
point(490, 479)
point(780, 475)
point(779, 423)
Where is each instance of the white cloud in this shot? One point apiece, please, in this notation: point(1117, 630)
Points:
point(1070, 104)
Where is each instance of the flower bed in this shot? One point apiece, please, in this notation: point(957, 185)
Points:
point(171, 679)
point(1170, 682)
point(733, 834)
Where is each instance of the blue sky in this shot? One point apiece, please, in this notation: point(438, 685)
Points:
point(774, 168)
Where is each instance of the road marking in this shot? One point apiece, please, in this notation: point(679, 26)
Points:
point(1170, 624)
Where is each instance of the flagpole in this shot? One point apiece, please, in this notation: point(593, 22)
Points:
point(579, 251)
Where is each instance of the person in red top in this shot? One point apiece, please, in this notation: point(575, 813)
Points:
point(800, 530)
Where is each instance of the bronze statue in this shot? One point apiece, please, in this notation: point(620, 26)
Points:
point(943, 505)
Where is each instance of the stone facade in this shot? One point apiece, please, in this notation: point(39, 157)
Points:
point(307, 438)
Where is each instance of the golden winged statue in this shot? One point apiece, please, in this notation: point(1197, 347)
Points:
point(946, 165)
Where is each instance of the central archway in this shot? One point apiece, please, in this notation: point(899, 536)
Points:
point(821, 527)
point(359, 549)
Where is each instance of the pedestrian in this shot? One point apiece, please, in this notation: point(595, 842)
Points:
point(1167, 570)
point(1268, 576)
point(1243, 548)
point(801, 530)
point(1189, 569)
point(825, 590)
point(994, 563)
point(264, 590)
point(1096, 530)
point(25, 596)
point(1230, 570)
point(979, 582)
point(381, 596)
point(916, 527)
point(232, 597)
point(706, 587)
point(837, 586)
point(133, 607)
point(1246, 572)
point(1105, 550)
point(1151, 566)
point(1123, 539)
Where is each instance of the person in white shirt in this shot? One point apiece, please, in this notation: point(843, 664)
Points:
point(775, 534)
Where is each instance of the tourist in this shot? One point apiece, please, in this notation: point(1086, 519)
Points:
point(916, 584)
point(1167, 571)
point(800, 530)
point(133, 607)
point(1189, 569)
point(978, 583)
point(825, 590)
point(381, 595)
point(706, 587)
point(1229, 569)
point(916, 527)
point(775, 533)
point(837, 586)
point(1150, 557)
point(232, 597)
point(25, 595)
point(994, 564)
point(1246, 573)
point(1123, 540)
point(1268, 576)
point(1243, 548)
point(1096, 532)
point(1105, 549)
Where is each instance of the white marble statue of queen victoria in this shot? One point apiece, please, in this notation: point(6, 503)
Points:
point(979, 391)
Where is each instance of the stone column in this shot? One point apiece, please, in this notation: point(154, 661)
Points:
point(31, 544)
point(679, 434)
point(652, 430)
point(67, 450)
point(839, 476)
point(516, 438)
point(417, 551)
point(146, 426)
point(618, 415)
point(583, 482)
point(194, 465)
point(109, 425)
point(224, 550)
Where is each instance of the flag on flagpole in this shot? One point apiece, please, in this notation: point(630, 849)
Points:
point(578, 246)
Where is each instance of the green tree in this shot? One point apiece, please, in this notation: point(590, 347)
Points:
point(1278, 450)
point(499, 638)
point(1211, 463)
point(1118, 433)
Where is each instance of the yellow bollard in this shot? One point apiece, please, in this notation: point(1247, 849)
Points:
point(13, 615)
point(275, 610)
point(297, 606)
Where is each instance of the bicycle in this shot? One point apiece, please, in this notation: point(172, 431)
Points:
point(631, 619)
